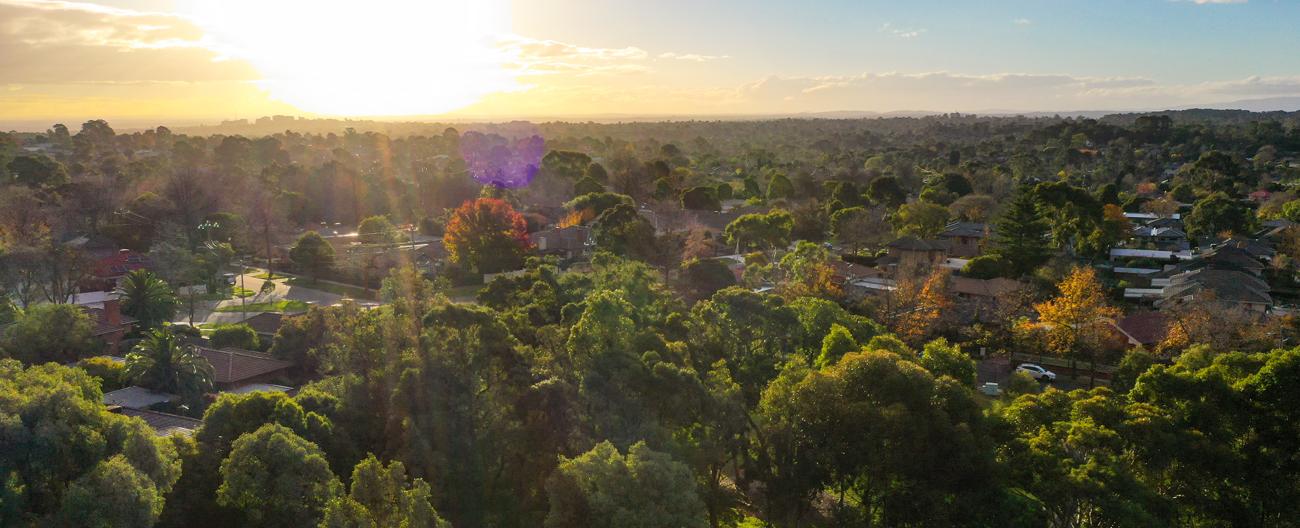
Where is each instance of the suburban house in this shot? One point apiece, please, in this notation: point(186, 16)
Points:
point(845, 272)
point(1231, 288)
point(1166, 238)
point(233, 368)
point(107, 271)
point(980, 299)
point(913, 255)
point(566, 242)
point(1144, 329)
point(110, 324)
point(965, 239)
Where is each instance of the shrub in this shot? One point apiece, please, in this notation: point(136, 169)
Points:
point(111, 374)
point(237, 335)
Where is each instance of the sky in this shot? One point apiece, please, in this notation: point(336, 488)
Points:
point(194, 60)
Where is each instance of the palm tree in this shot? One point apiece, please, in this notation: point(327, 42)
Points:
point(163, 363)
point(147, 298)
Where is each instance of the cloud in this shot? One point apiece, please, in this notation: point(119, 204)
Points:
point(67, 42)
point(945, 91)
point(547, 57)
point(1205, 2)
point(695, 57)
point(907, 33)
point(1022, 21)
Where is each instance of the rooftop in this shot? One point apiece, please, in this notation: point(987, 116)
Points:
point(232, 365)
point(965, 229)
point(911, 243)
point(134, 397)
point(163, 424)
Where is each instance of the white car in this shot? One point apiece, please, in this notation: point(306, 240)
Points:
point(991, 389)
point(1036, 372)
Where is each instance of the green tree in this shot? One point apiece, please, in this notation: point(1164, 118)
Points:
point(1134, 363)
point(147, 298)
point(37, 171)
point(837, 343)
point(604, 488)
point(164, 363)
point(702, 198)
point(67, 461)
point(700, 278)
point(377, 230)
point(587, 185)
point(312, 254)
point(235, 335)
point(886, 191)
point(61, 333)
point(1020, 234)
point(276, 478)
point(381, 496)
point(779, 187)
point(944, 359)
point(111, 495)
point(766, 231)
point(1218, 213)
point(621, 230)
point(920, 219)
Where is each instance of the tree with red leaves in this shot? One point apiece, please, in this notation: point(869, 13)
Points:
point(487, 235)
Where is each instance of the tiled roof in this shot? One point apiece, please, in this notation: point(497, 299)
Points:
point(910, 243)
point(983, 288)
point(119, 264)
point(1226, 285)
point(163, 424)
point(265, 322)
point(965, 229)
point(233, 365)
point(1147, 328)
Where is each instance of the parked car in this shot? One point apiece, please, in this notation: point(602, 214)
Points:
point(1036, 372)
point(991, 389)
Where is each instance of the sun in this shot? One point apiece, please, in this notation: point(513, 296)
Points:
point(372, 58)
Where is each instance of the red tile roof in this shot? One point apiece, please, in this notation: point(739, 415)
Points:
point(1146, 328)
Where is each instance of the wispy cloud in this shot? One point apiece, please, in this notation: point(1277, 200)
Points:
point(1206, 2)
point(1022, 21)
point(899, 32)
point(695, 57)
point(54, 42)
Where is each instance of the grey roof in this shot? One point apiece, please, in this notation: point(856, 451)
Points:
point(965, 229)
point(1226, 285)
point(136, 397)
point(1222, 258)
point(164, 424)
point(1159, 232)
point(911, 243)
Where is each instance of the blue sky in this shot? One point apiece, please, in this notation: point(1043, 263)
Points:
point(569, 58)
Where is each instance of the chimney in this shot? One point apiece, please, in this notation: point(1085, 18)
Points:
point(113, 311)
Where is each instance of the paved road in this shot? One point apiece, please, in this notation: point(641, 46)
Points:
point(205, 311)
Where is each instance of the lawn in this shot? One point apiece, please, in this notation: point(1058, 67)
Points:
point(270, 306)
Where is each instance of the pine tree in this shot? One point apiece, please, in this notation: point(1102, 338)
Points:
point(1020, 234)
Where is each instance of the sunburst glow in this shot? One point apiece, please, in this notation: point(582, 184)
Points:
point(385, 57)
